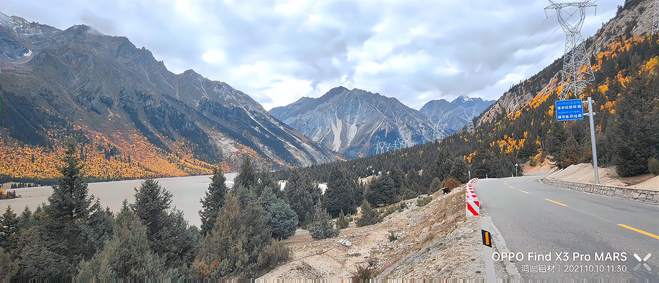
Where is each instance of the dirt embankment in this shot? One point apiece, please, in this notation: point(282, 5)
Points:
point(543, 168)
point(583, 173)
point(432, 240)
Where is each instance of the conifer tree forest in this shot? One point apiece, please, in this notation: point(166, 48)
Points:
point(72, 237)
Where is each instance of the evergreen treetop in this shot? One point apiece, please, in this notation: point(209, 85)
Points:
point(213, 200)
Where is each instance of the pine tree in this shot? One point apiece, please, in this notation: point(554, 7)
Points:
point(397, 176)
point(9, 225)
point(280, 217)
point(383, 192)
point(213, 201)
point(569, 153)
point(66, 226)
point(342, 222)
point(127, 255)
point(38, 258)
point(321, 227)
point(232, 248)
point(99, 226)
point(247, 177)
point(636, 131)
point(459, 170)
point(339, 195)
point(26, 219)
point(70, 201)
point(151, 205)
point(8, 266)
point(266, 180)
point(302, 195)
point(168, 231)
point(369, 216)
point(435, 185)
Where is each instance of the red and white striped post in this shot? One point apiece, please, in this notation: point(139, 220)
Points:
point(473, 205)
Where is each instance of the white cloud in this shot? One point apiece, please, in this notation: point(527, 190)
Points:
point(278, 51)
point(213, 56)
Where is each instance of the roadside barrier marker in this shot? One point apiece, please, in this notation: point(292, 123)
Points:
point(473, 205)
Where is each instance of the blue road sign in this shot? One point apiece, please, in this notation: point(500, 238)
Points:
point(568, 110)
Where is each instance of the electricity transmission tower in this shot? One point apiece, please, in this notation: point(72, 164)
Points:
point(655, 17)
point(577, 72)
point(383, 147)
point(399, 144)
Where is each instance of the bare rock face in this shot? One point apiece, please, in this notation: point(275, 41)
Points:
point(353, 122)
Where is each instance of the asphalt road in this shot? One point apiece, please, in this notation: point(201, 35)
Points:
point(570, 226)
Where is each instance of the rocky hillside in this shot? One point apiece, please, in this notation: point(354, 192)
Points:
point(353, 122)
point(521, 125)
point(134, 117)
point(634, 18)
point(454, 115)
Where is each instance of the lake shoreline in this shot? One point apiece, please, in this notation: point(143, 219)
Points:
point(187, 192)
point(89, 180)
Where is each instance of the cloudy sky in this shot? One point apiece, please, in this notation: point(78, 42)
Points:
point(279, 51)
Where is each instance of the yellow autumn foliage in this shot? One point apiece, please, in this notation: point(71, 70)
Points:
point(617, 47)
point(470, 157)
point(609, 106)
point(134, 157)
point(622, 79)
point(550, 112)
point(651, 65)
point(514, 115)
point(509, 144)
point(603, 88)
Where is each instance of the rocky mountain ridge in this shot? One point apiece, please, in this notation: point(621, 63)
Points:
point(358, 123)
point(122, 103)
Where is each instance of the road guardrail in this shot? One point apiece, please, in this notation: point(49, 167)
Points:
point(642, 195)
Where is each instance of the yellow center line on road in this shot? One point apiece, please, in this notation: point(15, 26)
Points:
point(523, 191)
point(639, 231)
point(556, 202)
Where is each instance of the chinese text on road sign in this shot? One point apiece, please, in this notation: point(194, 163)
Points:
point(568, 110)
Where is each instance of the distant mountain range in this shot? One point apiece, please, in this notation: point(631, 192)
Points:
point(453, 116)
point(134, 118)
point(359, 123)
point(127, 108)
